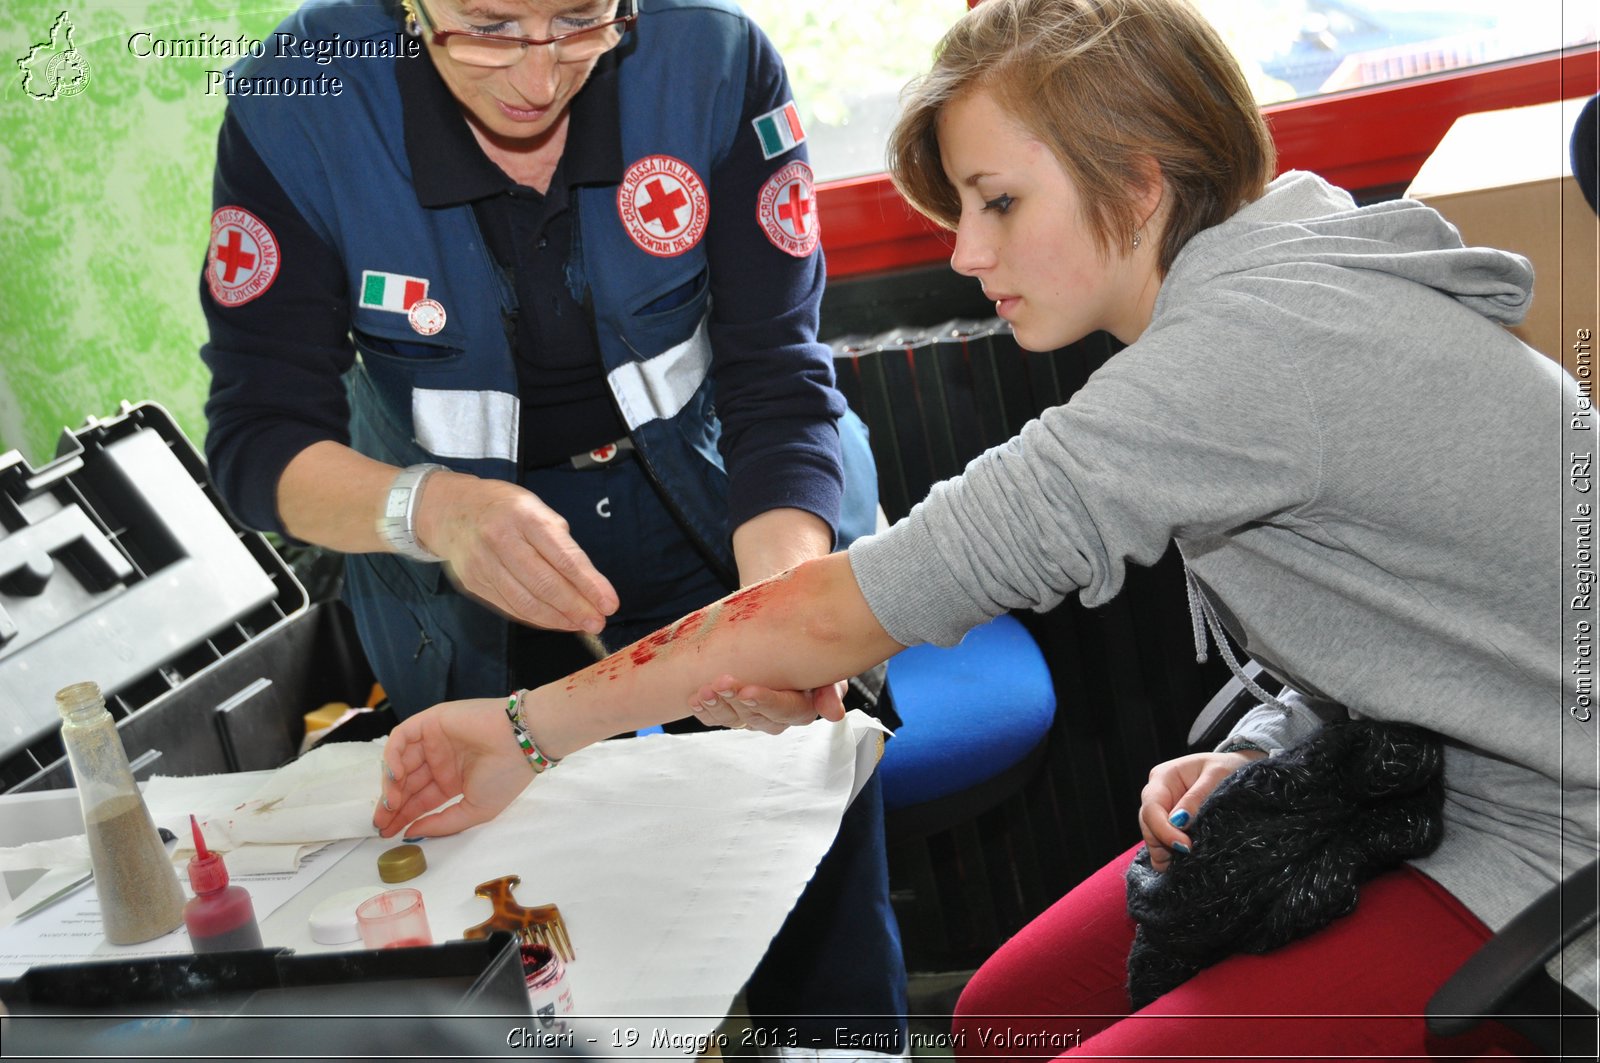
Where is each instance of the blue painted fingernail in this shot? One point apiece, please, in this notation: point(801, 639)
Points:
point(415, 838)
point(1179, 818)
point(1179, 847)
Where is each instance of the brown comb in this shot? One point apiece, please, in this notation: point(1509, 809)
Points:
point(540, 925)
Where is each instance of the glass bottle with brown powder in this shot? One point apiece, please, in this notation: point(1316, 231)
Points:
point(139, 893)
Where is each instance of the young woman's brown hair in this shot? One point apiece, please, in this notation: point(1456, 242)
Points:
point(1108, 85)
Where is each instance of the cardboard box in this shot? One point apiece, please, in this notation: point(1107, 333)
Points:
point(1504, 178)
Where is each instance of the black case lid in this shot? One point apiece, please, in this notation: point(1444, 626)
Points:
point(119, 564)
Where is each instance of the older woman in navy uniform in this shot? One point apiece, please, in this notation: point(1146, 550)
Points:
point(523, 320)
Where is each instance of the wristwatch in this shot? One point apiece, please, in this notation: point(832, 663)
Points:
point(398, 525)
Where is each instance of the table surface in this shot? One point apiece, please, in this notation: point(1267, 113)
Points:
point(674, 860)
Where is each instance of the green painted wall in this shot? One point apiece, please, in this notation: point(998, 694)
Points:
point(105, 202)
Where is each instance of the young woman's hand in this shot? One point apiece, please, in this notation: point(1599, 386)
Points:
point(460, 749)
point(730, 703)
point(1172, 798)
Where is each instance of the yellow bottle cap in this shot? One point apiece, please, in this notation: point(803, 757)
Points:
point(401, 863)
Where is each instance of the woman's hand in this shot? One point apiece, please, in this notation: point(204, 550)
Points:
point(508, 549)
point(729, 703)
point(1173, 796)
point(458, 748)
point(501, 543)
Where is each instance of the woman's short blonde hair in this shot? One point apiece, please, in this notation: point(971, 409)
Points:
point(1106, 85)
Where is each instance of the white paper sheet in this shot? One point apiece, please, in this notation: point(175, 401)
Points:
point(326, 795)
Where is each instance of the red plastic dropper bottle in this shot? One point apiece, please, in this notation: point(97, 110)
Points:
point(220, 918)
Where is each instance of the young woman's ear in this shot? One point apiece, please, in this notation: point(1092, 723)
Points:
point(1149, 193)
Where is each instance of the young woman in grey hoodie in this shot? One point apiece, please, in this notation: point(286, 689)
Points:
point(1318, 403)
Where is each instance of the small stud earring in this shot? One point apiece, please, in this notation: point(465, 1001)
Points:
point(413, 28)
point(1138, 238)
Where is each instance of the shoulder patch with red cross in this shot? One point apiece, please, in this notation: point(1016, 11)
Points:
point(663, 205)
point(787, 210)
point(242, 260)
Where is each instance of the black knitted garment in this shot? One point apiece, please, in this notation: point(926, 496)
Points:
point(1280, 847)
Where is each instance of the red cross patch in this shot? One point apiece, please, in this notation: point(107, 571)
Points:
point(787, 210)
point(601, 455)
point(242, 261)
point(663, 205)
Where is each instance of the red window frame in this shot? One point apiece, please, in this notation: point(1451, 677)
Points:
point(1363, 139)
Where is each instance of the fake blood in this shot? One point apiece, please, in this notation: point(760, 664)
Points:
point(739, 607)
point(747, 603)
point(220, 918)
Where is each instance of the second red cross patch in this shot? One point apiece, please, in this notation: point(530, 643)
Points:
point(787, 210)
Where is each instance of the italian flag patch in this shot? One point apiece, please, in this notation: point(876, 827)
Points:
point(779, 130)
point(391, 291)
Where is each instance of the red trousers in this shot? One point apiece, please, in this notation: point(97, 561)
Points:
point(1356, 988)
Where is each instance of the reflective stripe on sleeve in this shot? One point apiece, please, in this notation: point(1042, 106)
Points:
point(466, 424)
point(659, 387)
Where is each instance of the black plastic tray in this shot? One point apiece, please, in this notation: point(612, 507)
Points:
point(458, 998)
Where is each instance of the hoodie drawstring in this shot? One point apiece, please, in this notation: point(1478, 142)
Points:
point(1203, 617)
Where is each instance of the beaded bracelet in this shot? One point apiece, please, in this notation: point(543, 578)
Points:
point(536, 760)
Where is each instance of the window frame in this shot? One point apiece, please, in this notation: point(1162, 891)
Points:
point(1366, 140)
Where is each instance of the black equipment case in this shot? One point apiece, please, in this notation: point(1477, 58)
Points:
point(119, 564)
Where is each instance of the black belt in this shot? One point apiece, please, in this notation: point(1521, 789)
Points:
point(602, 456)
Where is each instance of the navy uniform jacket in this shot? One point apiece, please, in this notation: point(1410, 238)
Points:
point(703, 306)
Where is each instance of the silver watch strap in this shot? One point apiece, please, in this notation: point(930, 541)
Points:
point(398, 524)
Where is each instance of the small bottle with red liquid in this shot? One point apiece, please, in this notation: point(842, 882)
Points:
point(220, 918)
point(549, 992)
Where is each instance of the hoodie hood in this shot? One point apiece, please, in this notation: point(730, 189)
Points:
point(1302, 220)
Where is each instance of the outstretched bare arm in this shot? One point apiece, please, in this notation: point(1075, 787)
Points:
point(799, 630)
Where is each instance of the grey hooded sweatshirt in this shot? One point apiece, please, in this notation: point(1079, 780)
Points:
point(1364, 472)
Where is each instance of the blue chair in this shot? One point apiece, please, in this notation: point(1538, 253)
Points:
point(975, 719)
point(965, 868)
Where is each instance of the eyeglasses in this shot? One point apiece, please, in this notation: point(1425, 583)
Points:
point(476, 48)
